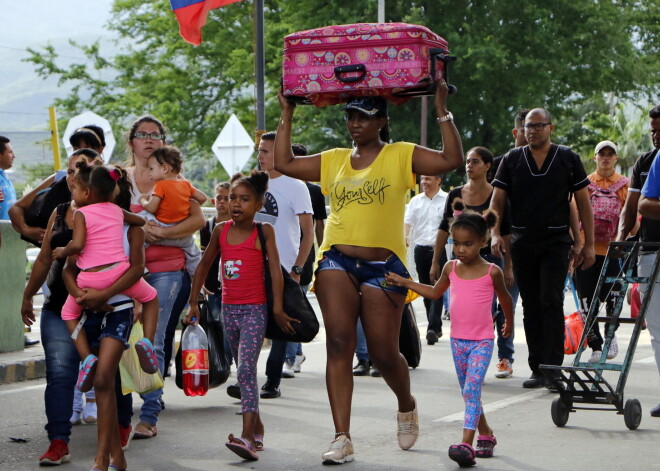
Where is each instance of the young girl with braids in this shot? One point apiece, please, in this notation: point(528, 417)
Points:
point(473, 282)
point(244, 307)
point(98, 242)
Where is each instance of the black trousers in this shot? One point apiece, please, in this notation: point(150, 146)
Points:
point(423, 260)
point(540, 269)
point(586, 281)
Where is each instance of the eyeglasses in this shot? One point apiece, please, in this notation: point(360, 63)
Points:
point(156, 136)
point(536, 126)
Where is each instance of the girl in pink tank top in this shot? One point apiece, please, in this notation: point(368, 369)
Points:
point(473, 282)
point(244, 306)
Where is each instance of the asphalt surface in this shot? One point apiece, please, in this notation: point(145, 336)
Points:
point(192, 431)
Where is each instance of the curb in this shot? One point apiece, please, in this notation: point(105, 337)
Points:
point(22, 371)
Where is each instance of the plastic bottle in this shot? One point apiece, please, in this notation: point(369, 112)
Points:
point(195, 359)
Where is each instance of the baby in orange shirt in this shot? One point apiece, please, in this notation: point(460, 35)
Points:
point(169, 202)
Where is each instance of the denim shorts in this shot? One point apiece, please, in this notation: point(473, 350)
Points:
point(367, 272)
point(116, 324)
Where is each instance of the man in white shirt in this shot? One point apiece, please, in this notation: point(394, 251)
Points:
point(421, 222)
point(288, 207)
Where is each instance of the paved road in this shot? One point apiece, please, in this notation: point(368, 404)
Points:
point(299, 426)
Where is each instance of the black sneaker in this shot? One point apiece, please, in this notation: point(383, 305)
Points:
point(270, 391)
point(362, 368)
point(534, 381)
point(655, 412)
point(431, 337)
point(233, 390)
point(375, 373)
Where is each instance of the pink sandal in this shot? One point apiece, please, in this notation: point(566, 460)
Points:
point(485, 446)
point(147, 355)
point(242, 447)
point(463, 454)
point(86, 373)
point(258, 442)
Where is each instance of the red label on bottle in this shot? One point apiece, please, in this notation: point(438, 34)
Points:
point(195, 360)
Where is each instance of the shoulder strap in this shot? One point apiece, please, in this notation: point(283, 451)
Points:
point(490, 269)
point(262, 241)
point(617, 185)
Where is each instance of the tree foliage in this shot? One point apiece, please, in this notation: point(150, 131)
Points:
point(513, 54)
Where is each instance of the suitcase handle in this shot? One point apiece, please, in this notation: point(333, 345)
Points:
point(441, 54)
point(344, 69)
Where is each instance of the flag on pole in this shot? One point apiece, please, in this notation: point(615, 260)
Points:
point(191, 15)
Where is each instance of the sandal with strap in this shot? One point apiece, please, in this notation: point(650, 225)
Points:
point(144, 430)
point(258, 442)
point(485, 446)
point(86, 373)
point(147, 355)
point(463, 454)
point(242, 447)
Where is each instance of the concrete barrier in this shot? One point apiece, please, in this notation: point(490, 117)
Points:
point(12, 281)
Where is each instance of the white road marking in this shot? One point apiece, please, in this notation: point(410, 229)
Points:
point(646, 360)
point(26, 388)
point(501, 404)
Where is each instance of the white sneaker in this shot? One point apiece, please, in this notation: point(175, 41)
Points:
point(300, 359)
point(340, 451)
point(407, 428)
point(76, 417)
point(595, 356)
point(504, 369)
point(89, 413)
point(287, 369)
point(614, 349)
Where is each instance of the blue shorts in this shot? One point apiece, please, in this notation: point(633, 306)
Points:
point(116, 324)
point(367, 273)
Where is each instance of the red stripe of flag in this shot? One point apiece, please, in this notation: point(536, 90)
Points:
point(191, 15)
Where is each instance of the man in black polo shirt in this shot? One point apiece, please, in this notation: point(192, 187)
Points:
point(649, 230)
point(538, 180)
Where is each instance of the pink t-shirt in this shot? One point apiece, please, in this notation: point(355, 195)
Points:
point(470, 303)
point(105, 235)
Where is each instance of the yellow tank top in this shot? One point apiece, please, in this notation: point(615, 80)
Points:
point(367, 206)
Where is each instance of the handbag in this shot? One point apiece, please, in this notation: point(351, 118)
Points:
point(410, 344)
point(573, 325)
point(218, 366)
point(133, 377)
point(295, 304)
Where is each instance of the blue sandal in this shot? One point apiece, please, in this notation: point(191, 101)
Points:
point(147, 355)
point(86, 373)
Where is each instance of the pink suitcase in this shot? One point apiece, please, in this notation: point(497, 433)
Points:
point(326, 66)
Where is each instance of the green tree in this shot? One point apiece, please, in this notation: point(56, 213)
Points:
point(512, 54)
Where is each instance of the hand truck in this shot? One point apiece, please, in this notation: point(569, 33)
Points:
point(583, 383)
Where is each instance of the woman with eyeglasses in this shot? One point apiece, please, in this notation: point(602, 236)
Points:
point(166, 265)
point(363, 240)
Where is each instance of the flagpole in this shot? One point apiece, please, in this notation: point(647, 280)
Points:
point(260, 68)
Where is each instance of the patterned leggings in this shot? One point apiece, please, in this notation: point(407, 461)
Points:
point(471, 359)
point(245, 326)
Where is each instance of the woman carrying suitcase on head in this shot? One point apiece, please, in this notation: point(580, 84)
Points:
point(363, 240)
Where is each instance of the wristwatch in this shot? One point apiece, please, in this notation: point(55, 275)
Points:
point(297, 269)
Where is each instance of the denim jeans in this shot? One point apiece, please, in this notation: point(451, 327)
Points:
point(505, 348)
point(171, 287)
point(293, 349)
point(361, 351)
point(62, 362)
point(215, 307)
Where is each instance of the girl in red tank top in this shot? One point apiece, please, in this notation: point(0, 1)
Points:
point(473, 282)
point(244, 297)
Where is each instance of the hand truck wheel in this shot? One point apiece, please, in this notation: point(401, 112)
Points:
point(632, 413)
point(559, 411)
